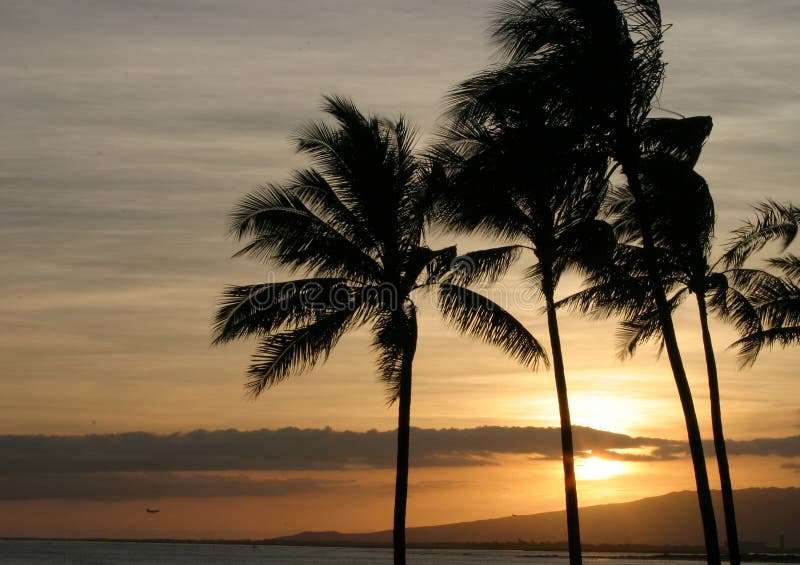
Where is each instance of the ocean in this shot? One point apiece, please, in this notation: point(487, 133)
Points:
point(29, 552)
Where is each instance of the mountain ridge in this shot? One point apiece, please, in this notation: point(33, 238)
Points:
point(767, 518)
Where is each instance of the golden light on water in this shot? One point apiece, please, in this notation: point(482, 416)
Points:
point(597, 469)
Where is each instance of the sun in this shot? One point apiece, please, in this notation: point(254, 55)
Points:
point(597, 469)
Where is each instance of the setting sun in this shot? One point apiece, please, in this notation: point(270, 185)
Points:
point(595, 469)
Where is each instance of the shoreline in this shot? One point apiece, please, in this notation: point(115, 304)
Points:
point(606, 551)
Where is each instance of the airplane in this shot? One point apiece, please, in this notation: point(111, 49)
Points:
point(152, 510)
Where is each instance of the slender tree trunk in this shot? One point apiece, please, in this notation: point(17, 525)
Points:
point(719, 438)
point(401, 480)
point(403, 430)
point(567, 451)
point(631, 172)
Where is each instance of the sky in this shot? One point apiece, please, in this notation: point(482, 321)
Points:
point(129, 130)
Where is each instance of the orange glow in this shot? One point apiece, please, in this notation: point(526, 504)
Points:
point(597, 469)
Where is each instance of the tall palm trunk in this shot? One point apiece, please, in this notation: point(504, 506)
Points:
point(403, 431)
point(631, 171)
point(567, 450)
point(719, 438)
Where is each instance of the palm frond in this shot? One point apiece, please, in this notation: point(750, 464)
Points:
point(420, 260)
point(681, 211)
point(470, 173)
point(751, 345)
point(756, 285)
point(261, 309)
point(681, 139)
point(734, 306)
point(773, 222)
point(523, 29)
point(328, 148)
point(298, 350)
point(775, 299)
point(789, 264)
point(768, 311)
point(620, 288)
point(326, 202)
point(475, 315)
point(619, 209)
point(586, 245)
point(642, 13)
point(780, 308)
point(281, 228)
point(644, 327)
point(439, 265)
point(486, 265)
point(345, 112)
point(681, 206)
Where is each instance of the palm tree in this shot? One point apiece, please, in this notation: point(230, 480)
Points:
point(777, 299)
point(600, 62)
point(353, 224)
point(516, 178)
point(683, 221)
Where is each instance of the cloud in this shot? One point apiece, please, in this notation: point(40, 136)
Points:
point(326, 449)
point(792, 466)
point(158, 485)
point(761, 447)
point(784, 447)
point(485, 441)
point(226, 463)
point(290, 449)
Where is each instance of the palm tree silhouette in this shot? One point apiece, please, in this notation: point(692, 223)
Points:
point(682, 210)
point(600, 62)
point(354, 225)
point(514, 177)
point(777, 299)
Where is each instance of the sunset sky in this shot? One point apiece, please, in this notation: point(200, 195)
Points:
point(129, 128)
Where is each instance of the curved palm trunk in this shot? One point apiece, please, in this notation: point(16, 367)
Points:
point(567, 450)
point(631, 172)
point(719, 438)
point(403, 430)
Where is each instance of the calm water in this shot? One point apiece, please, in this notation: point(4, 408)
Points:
point(122, 553)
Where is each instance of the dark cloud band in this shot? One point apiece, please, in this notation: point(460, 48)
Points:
point(327, 449)
point(152, 486)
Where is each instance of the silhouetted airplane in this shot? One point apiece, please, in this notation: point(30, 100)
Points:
point(152, 510)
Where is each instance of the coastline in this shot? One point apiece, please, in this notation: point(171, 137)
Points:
point(541, 550)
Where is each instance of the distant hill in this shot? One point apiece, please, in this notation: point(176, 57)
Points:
point(763, 515)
